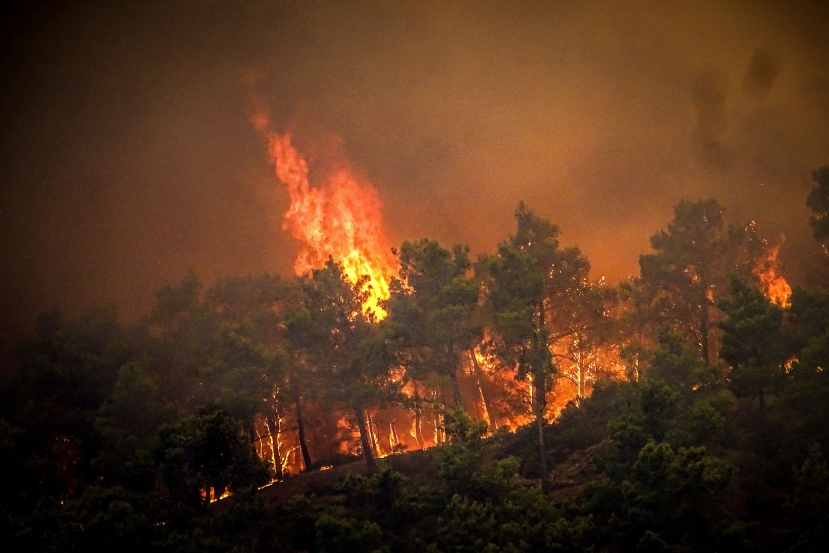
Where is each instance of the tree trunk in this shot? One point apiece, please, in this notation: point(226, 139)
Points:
point(371, 464)
point(250, 428)
point(300, 424)
point(272, 420)
point(418, 416)
point(703, 328)
point(456, 390)
point(373, 434)
point(394, 440)
point(479, 377)
point(540, 401)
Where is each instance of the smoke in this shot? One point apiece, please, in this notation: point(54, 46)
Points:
point(709, 94)
point(127, 156)
point(761, 74)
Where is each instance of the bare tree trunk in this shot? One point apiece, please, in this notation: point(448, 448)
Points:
point(479, 375)
point(703, 327)
point(300, 424)
point(250, 428)
point(373, 434)
point(439, 437)
point(371, 464)
point(540, 402)
point(418, 417)
point(274, 428)
point(394, 440)
point(456, 390)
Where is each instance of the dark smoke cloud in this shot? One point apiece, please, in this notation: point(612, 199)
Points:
point(762, 72)
point(709, 95)
point(127, 157)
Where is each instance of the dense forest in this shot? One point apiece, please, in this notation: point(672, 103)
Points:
point(681, 410)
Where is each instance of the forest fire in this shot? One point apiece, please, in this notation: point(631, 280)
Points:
point(446, 364)
point(326, 277)
point(337, 215)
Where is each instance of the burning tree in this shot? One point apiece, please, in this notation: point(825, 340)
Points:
point(433, 312)
point(342, 346)
point(689, 271)
point(531, 283)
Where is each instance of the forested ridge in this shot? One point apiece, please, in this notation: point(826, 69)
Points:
point(685, 409)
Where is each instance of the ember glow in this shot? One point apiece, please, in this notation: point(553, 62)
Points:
point(339, 218)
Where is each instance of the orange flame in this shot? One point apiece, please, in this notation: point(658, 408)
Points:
point(341, 218)
point(771, 277)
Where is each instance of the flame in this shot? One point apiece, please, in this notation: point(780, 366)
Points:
point(211, 495)
point(768, 272)
point(339, 218)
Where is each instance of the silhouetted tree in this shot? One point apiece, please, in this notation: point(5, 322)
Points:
point(432, 310)
point(68, 370)
point(689, 271)
point(338, 339)
point(207, 452)
point(531, 283)
point(818, 203)
point(752, 342)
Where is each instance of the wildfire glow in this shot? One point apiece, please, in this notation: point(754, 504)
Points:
point(339, 217)
point(771, 277)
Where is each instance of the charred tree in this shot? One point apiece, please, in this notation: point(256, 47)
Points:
point(300, 424)
point(365, 440)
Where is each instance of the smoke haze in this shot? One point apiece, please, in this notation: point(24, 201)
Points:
point(127, 156)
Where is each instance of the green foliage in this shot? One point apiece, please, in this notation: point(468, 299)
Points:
point(809, 503)
point(818, 203)
point(176, 301)
point(689, 271)
point(67, 371)
point(752, 342)
point(346, 353)
point(129, 421)
point(534, 292)
point(336, 534)
point(105, 446)
point(207, 451)
point(298, 532)
point(379, 490)
point(673, 493)
point(102, 519)
point(679, 366)
point(517, 281)
point(433, 310)
point(459, 427)
point(464, 470)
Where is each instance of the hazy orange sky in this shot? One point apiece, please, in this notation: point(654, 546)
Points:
point(127, 157)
